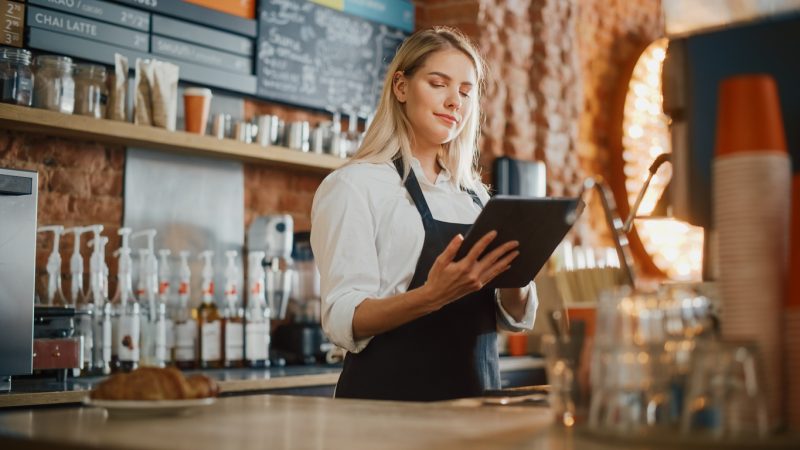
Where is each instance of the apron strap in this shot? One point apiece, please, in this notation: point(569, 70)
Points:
point(412, 185)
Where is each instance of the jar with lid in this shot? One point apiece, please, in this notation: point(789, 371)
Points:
point(54, 88)
point(16, 77)
point(91, 91)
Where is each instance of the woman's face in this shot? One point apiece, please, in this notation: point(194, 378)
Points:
point(438, 97)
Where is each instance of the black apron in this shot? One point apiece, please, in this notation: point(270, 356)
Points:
point(450, 353)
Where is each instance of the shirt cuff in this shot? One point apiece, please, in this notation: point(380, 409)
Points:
point(507, 322)
point(340, 324)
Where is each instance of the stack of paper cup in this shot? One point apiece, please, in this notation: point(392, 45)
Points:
point(751, 201)
point(791, 329)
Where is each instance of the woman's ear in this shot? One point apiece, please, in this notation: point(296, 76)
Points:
point(399, 86)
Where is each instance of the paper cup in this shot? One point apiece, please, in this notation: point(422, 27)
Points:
point(196, 105)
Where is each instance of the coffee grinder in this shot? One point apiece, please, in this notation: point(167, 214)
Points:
point(302, 341)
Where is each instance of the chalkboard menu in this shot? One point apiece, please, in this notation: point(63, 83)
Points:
point(321, 58)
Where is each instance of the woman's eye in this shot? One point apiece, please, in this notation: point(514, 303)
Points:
point(438, 85)
point(464, 94)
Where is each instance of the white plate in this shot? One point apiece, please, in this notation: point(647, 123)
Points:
point(144, 408)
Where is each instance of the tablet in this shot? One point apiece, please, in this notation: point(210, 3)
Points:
point(539, 224)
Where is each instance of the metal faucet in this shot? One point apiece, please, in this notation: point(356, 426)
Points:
point(619, 230)
point(614, 223)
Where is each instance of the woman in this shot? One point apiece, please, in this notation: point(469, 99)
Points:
point(386, 227)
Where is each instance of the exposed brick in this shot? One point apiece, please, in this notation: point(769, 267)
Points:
point(301, 222)
point(305, 182)
point(263, 201)
point(106, 182)
point(53, 208)
point(70, 181)
point(116, 158)
point(89, 157)
point(98, 209)
point(451, 13)
point(295, 202)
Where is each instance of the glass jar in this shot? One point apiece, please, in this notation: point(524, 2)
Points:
point(91, 90)
point(54, 88)
point(16, 77)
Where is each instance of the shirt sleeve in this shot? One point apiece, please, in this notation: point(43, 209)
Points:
point(343, 240)
point(505, 320)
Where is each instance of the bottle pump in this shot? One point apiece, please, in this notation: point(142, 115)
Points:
point(54, 294)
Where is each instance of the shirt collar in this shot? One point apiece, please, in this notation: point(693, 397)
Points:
point(443, 177)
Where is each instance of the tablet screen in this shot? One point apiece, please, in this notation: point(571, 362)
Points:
point(539, 224)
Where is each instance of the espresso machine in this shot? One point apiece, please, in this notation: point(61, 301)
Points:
point(18, 197)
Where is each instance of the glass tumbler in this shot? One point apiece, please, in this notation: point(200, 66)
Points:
point(562, 357)
point(725, 398)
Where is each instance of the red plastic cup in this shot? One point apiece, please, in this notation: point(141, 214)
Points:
point(749, 116)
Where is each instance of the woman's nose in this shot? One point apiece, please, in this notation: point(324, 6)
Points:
point(454, 101)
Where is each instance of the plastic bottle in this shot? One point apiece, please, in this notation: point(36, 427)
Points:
point(154, 312)
point(257, 324)
point(77, 294)
point(165, 297)
point(55, 296)
point(98, 296)
point(209, 318)
point(127, 309)
point(185, 350)
point(84, 308)
point(233, 322)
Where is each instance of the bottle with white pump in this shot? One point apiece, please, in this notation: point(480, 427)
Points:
point(55, 296)
point(185, 350)
point(209, 318)
point(98, 296)
point(257, 314)
point(165, 298)
point(76, 288)
point(84, 307)
point(233, 315)
point(154, 312)
point(127, 308)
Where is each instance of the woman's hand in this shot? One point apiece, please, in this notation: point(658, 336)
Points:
point(449, 280)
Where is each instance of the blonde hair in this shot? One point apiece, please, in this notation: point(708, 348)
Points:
point(390, 131)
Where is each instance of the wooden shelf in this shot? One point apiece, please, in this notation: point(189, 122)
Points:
point(21, 118)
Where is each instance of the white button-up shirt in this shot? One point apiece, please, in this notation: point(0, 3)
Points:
point(367, 236)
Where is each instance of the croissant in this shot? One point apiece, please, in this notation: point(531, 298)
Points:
point(151, 383)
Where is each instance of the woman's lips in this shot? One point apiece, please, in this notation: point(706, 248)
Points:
point(447, 118)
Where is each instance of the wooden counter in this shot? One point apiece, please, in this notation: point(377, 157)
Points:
point(288, 422)
point(248, 381)
point(226, 387)
point(269, 422)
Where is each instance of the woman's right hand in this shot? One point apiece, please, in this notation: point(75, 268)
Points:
point(449, 280)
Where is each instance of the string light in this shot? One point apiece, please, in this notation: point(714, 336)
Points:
point(675, 246)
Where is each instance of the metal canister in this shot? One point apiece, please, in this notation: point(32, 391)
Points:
point(297, 136)
point(221, 125)
point(270, 128)
point(318, 137)
point(243, 132)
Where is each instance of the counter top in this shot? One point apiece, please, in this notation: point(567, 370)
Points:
point(33, 392)
point(266, 421)
point(280, 421)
